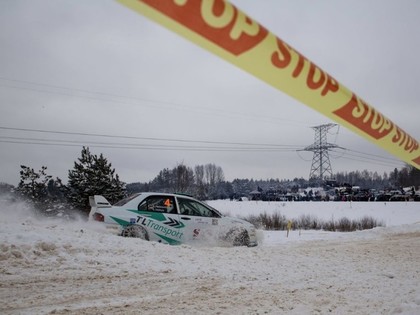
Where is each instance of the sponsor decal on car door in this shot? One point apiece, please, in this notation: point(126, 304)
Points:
point(159, 216)
point(199, 221)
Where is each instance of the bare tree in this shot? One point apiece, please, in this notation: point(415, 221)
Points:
point(184, 178)
point(199, 182)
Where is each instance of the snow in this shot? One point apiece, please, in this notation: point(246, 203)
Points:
point(53, 266)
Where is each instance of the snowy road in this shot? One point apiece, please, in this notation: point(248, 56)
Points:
point(68, 270)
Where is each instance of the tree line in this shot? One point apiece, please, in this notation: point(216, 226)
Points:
point(203, 182)
point(207, 182)
point(94, 175)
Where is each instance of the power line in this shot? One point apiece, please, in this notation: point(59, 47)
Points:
point(25, 140)
point(367, 158)
point(218, 146)
point(128, 100)
point(177, 144)
point(153, 147)
point(373, 155)
point(147, 138)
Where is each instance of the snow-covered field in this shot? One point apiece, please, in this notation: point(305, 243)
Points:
point(58, 267)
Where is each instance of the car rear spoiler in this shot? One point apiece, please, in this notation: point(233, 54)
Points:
point(96, 202)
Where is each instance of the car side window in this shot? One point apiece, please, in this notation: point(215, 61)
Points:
point(162, 204)
point(194, 208)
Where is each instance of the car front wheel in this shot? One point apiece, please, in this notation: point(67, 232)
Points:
point(238, 237)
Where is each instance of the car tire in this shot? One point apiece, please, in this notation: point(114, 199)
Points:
point(238, 237)
point(135, 231)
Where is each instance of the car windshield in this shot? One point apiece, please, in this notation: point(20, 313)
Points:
point(215, 210)
point(125, 200)
point(195, 208)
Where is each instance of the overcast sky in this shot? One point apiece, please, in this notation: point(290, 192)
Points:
point(96, 67)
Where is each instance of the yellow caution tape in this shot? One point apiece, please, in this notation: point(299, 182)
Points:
point(221, 28)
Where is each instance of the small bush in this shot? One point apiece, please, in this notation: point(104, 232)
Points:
point(277, 221)
point(346, 225)
point(329, 226)
point(369, 223)
point(307, 222)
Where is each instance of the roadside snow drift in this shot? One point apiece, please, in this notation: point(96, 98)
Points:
point(58, 267)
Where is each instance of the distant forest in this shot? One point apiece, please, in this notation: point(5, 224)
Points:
point(207, 182)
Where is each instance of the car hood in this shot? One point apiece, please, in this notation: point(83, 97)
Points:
point(237, 221)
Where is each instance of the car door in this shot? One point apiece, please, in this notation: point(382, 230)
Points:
point(200, 221)
point(158, 214)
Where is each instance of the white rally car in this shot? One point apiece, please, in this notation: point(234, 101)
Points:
point(171, 219)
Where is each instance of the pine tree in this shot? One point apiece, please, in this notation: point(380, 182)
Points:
point(33, 185)
point(45, 194)
point(93, 175)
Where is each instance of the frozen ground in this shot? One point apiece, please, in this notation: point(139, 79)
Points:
point(56, 267)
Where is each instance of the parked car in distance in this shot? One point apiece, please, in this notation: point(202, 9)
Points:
point(383, 197)
point(399, 197)
point(171, 219)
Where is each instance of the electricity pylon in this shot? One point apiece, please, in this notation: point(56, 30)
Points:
point(321, 165)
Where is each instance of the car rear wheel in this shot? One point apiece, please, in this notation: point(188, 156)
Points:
point(135, 231)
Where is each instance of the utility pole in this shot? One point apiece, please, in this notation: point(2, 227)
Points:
point(321, 165)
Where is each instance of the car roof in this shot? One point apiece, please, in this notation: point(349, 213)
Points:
point(143, 195)
point(149, 193)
